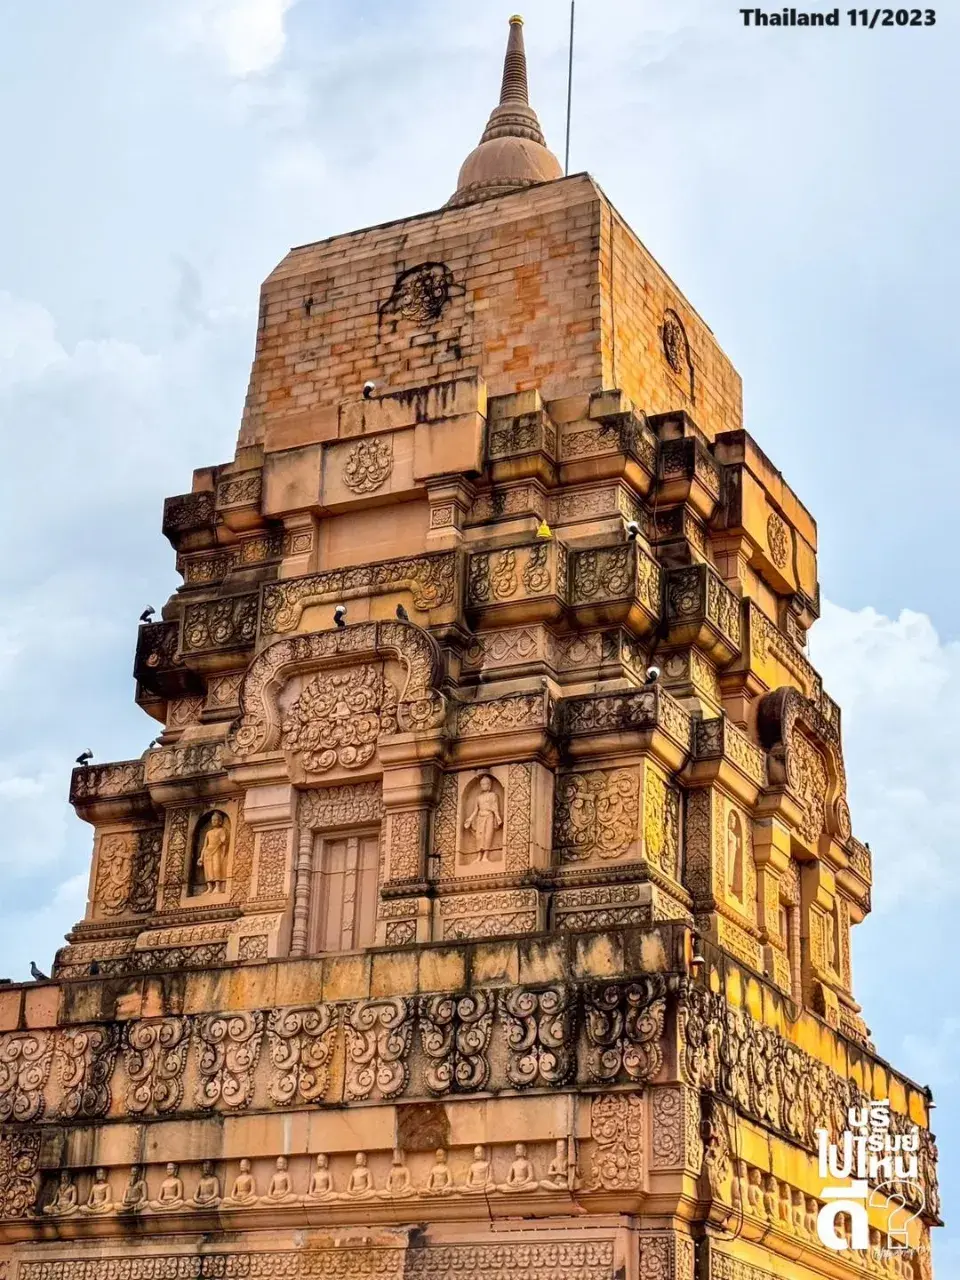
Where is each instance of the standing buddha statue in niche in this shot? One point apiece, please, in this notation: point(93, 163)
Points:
point(212, 858)
point(485, 819)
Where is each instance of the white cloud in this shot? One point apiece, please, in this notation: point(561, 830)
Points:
point(898, 685)
point(246, 37)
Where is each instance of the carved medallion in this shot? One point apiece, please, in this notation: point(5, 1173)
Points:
point(777, 540)
point(674, 342)
point(420, 293)
point(368, 465)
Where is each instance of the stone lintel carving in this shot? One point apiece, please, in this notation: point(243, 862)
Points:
point(604, 578)
point(430, 578)
point(158, 666)
point(804, 752)
point(188, 514)
point(517, 577)
point(420, 706)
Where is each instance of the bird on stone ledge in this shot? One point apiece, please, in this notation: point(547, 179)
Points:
point(85, 757)
point(402, 613)
point(147, 613)
point(37, 974)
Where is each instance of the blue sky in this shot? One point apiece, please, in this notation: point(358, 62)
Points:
point(800, 186)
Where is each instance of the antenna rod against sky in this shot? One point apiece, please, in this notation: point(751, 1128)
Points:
point(566, 159)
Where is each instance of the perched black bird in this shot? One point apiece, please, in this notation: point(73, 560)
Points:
point(652, 676)
point(402, 613)
point(85, 757)
point(147, 614)
point(5, 982)
point(94, 968)
point(340, 616)
point(36, 974)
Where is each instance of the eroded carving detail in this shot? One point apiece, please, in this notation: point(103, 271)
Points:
point(455, 1033)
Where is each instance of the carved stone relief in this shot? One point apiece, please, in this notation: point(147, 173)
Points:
point(228, 1047)
point(596, 815)
point(301, 1043)
point(338, 718)
point(661, 823)
point(155, 1055)
point(455, 1033)
point(368, 465)
point(616, 1126)
point(540, 1029)
point(85, 1060)
point(624, 1024)
point(25, 1061)
point(481, 837)
point(378, 1035)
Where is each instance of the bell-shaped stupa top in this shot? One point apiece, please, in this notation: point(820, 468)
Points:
point(512, 153)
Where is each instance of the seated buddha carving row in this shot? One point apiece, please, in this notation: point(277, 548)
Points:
point(243, 1191)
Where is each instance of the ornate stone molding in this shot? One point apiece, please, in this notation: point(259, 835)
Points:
point(798, 737)
point(430, 578)
point(420, 706)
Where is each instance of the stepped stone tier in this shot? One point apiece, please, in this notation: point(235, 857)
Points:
point(437, 937)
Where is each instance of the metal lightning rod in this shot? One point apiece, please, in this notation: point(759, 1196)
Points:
point(566, 158)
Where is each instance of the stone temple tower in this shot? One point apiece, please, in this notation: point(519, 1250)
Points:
point(484, 910)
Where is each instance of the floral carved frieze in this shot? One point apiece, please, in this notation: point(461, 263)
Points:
point(378, 1033)
point(336, 706)
point(509, 575)
point(431, 580)
point(85, 1061)
point(106, 781)
point(616, 1126)
point(455, 1033)
point(155, 1054)
point(541, 1035)
point(620, 572)
point(301, 1045)
point(228, 1050)
point(624, 1024)
point(25, 1061)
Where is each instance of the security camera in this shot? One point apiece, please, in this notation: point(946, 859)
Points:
point(368, 389)
point(633, 530)
point(652, 676)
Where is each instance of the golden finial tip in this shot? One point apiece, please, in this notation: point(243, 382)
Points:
point(516, 19)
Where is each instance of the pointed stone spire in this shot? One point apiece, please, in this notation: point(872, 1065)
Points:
point(512, 153)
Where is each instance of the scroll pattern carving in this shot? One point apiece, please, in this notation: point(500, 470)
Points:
point(19, 1173)
point(430, 579)
point(616, 1125)
point(346, 806)
point(228, 1049)
point(624, 1024)
point(301, 1045)
point(128, 863)
point(25, 1061)
point(596, 814)
point(519, 798)
point(540, 1031)
point(155, 1054)
point(378, 1036)
point(804, 752)
point(228, 623)
point(661, 823)
point(455, 1033)
point(85, 1058)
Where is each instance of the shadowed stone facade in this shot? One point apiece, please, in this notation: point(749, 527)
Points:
point(439, 936)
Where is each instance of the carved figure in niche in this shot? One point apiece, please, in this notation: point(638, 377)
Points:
point(484, 821)
point(171, 1191)
point(99, 1200)
point(360, 1185)
point(64, 1202)
point(735, 855)
point(797, 1203)
point(244, 1191)
point(399, 1184)
point(207, 1193)
point(440, 1181)
point(135, 1196)
point(521, 1176)
point(321, 1183)
point(557, 1174)
point(783, 1205)
point(755, 1191)
point(280, 1190)
point(479, 1181)
point(211, 842)
point(810, 1217)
